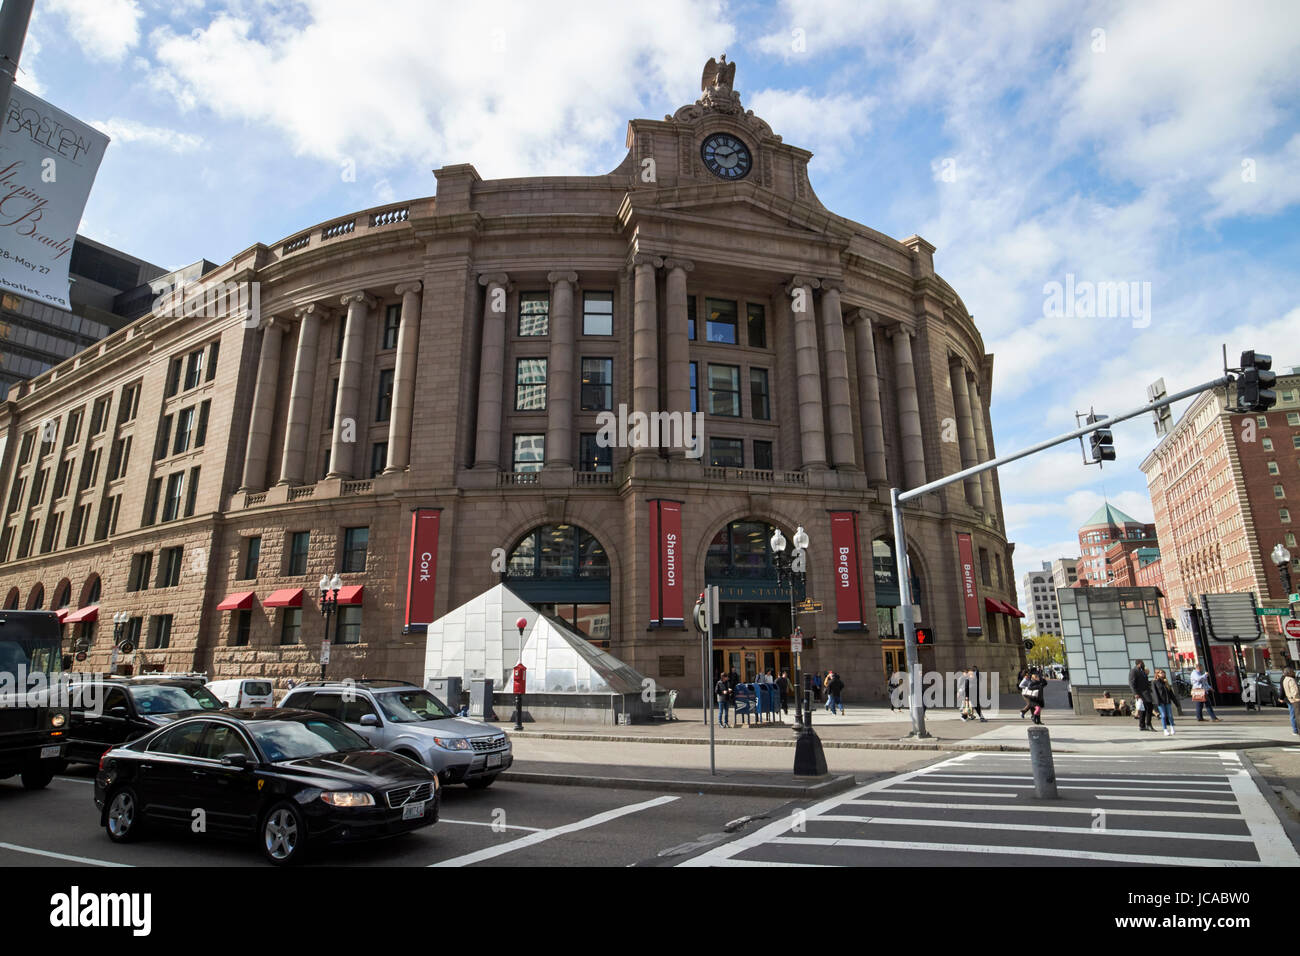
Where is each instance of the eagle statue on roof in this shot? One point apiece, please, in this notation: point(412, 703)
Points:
point(718, 77)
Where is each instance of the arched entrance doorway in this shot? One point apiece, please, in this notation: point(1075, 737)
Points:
point(889, 618)
point(754, 635)
point(563, 570)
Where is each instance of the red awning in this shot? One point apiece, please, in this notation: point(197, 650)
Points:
point(285, 597)
point(994, 607)
point(238, 601)
point(85, 615)
point(350, 594)
point(1012, 609)
point(62, 614)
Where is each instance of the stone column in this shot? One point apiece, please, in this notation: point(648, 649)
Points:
point(294, 457)
point(645, 339)
point(677, 343)
point(909, 409)
point(873, 422)
point(399, 421)
point(492, 358)
point(258, 448)
point(965, 428)
point(559, 373)
point(812, 429)
point(981, 441)
point(838, 396)
point(343, 444)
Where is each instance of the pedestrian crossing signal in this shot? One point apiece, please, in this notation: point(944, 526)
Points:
point(924, 637)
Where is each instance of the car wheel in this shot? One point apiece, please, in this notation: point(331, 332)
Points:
point(480, 783)
point(38, 777)
point(122, 820)
point(283, 836)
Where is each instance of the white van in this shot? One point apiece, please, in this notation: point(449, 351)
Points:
point(244, 692)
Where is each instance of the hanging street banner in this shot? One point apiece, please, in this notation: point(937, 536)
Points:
point(666, 588)
point(970, 592)
point(48, 162)
point(422, 579)
point(848, 588)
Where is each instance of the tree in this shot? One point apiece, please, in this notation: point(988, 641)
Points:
point(1048, 648)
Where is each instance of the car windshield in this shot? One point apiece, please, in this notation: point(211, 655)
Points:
point(171, 698)
point(412, 706)
point(300, 737)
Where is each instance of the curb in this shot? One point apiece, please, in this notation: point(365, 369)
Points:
point(793, 790)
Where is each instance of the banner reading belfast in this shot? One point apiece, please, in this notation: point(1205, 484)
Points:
point(666, 600)
point(48, 162)
point(970, 592)
point(423, 578)
point(848, 574)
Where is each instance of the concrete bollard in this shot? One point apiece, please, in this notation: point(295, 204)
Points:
point(1040, 758)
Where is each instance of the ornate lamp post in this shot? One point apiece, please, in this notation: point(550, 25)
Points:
point(119, 622)
point(787, 570)
point(1282, 558)
point(329, 603)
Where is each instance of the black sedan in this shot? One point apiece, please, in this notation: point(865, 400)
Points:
point(290, 778)
point(107, 712)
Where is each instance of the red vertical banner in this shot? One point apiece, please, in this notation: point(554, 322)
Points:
point(1225, 669)
point(969, 589)
point(656, 556)
point(423, 563)
point(848, 570)
point(670, 583)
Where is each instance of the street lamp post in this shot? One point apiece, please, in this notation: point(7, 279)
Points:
point(785, 575)
point(329, 603)
point(119, 622)
point(1282, 558)
point(809, 758)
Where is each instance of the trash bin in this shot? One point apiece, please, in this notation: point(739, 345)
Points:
point(446, 689)
point(480, 698)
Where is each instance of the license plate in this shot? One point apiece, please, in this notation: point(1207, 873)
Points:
point(413, 811)
point(494, 760)
point(47, 752)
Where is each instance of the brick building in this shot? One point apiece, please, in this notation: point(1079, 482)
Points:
point(198, 471)
point(1109, 542)
point(1223, 487)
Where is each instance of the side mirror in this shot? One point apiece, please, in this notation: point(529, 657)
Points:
point(118, 711)
point(369, 720)
point(237, 760)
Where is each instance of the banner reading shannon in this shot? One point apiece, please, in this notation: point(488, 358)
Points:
point(48, 162)
point(848, 575)
point(666, 601)
point(424, 567)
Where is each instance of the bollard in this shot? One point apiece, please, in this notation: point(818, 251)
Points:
point(1040, 758)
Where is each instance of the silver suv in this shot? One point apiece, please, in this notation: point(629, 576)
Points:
point(406, 719)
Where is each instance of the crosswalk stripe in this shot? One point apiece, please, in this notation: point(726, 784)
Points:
point(951, 793)
point(1015, 851)
point(1019, 828)
point(1029, 786)
point(1225, 803)
point(1218, 779)
point(1034, 809)
point(1271, 841)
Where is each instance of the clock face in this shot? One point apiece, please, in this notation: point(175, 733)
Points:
point(726, 156)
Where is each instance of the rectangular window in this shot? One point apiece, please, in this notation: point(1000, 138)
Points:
point(724, 390)
point(378, 458)
point(26, 538)
point(298, 545)
point(49, 431)
point(62, 478)
point(721, 321)
point(252, 555)
point(349, 625)
point(1293, 418)
point(192, 497)
point(38, 486)
point(132, 630)
point(1279, 491)
point(243, 627)
point(1261, 421)
point(1268, 444)
point(355, 542)
point(291, 625)
point(530, 385)
point(690, 318)
point(1295, 441)
point(343, 329)
point(213, 351)
point(726, 453)
point(98, 416)
point(73, 431)
point(384, 405)
point(6, 541)
point(592, 456)
point(141, 566)
point(90, 470)
point(184, 430)
point(763, 455)
point(172, 499)
point(1284, 515)
point(130, 404)
point(169, 571)
point(598, 313)
point(164, 436)
point(108, 518)
point(597, 384)
point(201, 430)
point(757, 316)
point(530, 452)
point(25, 454)
point(1272, 468)
point(160, 631)
point(760, 404)
point(985, 572)
point(80, 520)
point(119, 458)
point(392, 325)
point(174, 377)
point(695, 387)
point(534, 313)
point(194, 370)
point(16, 495)
point(52, 537)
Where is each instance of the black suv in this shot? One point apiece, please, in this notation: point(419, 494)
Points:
point(110, 711)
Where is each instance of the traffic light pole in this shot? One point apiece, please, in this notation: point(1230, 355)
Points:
point(899, 498)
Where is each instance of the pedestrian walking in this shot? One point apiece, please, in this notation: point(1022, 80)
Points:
point(1145, 703)
point(722, 690)
point(1026, 677)
point(817, 682)
point(834, 690)
point(963, 695)
point(1202, 693)
point(1166, 700)
point(1291, 691)
point(1037, 694)
point(783, 687)
point(1248, 694)
point(973, 674)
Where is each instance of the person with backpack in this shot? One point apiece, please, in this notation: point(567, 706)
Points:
point(722, 690)
point(834, 688)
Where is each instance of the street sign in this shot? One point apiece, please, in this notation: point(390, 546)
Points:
point(1292, 627)
point(1272, 611)
point(1293, 599)
point(324, 652)
point(808, 607)
point(796, 645)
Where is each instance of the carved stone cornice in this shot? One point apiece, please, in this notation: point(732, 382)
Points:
point(569, 277)
point(801, 282)
point(833, 285)
point(363, 297)
point(316, 310)
point(495, 278)
point(643, 259)
point(412, 286)
point(686, 265)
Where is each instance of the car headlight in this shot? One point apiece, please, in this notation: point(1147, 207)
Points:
point(348, 798)
point(58, 720)
point(452, 743)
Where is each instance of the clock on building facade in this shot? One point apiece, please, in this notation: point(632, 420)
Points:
point(726, 156)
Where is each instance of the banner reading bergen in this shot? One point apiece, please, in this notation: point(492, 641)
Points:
point(666, 598)
point(424, 567)
point(48, 162)
point(848, 574)
point(968, 588)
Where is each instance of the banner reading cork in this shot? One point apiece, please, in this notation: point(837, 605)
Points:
point(970, 592)
point(666, 599)
point(48, 162)
point(423, 577)
point(848, 574)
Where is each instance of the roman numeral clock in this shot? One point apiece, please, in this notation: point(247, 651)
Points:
point(725, 156)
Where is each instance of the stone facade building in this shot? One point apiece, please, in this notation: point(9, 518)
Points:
point(1043, 612)
point(463, 360)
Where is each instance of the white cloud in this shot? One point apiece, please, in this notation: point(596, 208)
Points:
point(1261, 184)
point(832, 127)
point(105, 30)
point(125, 131)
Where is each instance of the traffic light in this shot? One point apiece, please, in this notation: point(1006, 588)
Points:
point(1255, 389)
point(1102, 440)
point(924, 637)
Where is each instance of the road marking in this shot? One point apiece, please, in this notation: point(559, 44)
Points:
point(1218, 780)
point(1029, 786)
point(76, 780)
point(498, 826)
point(543, 835)
point(59, 856)
point(1019, 827)
point(1107, 796)
point(1271, 841)
point(1031, 809)
point(952, 793)
point(1015, 851)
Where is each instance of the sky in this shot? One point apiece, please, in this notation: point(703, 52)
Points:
point(1041, 146)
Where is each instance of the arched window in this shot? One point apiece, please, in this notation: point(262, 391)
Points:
point(884, 568)
point(11, 601)
point(62, 595)
point(90, 591)
point(36, 598)
point(562, 569)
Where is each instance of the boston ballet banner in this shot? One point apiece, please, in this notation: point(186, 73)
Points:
point(666, 597)
point(970, 592)
point(423, 575)
point(848, 570)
